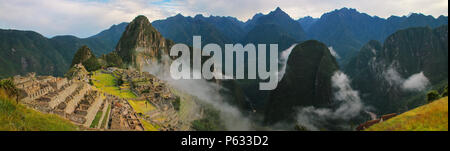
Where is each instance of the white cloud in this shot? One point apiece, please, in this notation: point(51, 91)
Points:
point(334, 53)
point(416, 82)
point(392, 76)
point(86, 17)
point(76, 17)
point(350, 106)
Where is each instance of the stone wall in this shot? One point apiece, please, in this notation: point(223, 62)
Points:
point(61, 96)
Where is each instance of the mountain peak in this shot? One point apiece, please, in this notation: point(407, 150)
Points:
point(140, 41)
point(141, 18)
point(278, 11)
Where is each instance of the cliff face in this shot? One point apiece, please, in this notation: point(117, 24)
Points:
point(307, 82)
point(141, 42)
point(379, 71)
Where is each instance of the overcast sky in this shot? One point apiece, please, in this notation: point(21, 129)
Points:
point(85, 18)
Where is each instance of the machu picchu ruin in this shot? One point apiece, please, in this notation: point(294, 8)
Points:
point(106, 99)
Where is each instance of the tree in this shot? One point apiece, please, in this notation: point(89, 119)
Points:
point(432, 95)
point(91, 64)
point(113, 60)
point(299, 127)
point(445, 92)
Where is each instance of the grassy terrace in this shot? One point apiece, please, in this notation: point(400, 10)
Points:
point(141, 107)
point(108, 83)
point(96, 119)
point(16, 117)
point(106, 116)
point(430, 117)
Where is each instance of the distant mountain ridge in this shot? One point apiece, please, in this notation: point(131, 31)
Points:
point(347, 30)
point(28, 51)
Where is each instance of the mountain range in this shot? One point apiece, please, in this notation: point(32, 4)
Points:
point(346, 30)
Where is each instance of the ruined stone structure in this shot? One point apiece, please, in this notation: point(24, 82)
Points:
point(123, 117)
point(367, 124)
point(79, 102)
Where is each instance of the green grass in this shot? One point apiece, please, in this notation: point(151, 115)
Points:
point(96, 119)
point(108, 84)
point(429, 117)
point(140, 107)
point(148, 126)
point(16, 117)
point(106, 116)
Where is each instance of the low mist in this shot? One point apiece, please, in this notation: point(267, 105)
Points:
point(349, 106)
point(207, 92)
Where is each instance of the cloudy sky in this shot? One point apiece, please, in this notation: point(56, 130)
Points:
point(84, 18)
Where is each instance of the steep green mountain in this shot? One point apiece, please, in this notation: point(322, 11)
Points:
point(307, 82)
point(26, 51)
point(85, 56)
point(380, 71)
point(141, 41)
point(347, 30)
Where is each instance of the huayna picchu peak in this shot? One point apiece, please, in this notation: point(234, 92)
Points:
point(141, 41)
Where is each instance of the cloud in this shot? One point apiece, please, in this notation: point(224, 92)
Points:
point(334, 53)
point(350, 106)
point(207, 92)
point(87, 17)
point(76, 17)
point(416, 82)
point(393, 77)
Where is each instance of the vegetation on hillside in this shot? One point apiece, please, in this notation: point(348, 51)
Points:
point(16, 117)
point(85, 56)
point(210, 122)
point(307, 82)
point(430, 117)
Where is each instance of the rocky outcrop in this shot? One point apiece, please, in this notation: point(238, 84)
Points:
point(141, 42)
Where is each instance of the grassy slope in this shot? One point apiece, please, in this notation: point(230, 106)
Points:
point(16, 117)
point(430, 117)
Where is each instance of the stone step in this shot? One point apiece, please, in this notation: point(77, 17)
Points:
point(92, 111)
point(72, 104)
point(61, 97)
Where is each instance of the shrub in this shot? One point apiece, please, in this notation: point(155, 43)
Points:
point(432, 95)
point(445, 92)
